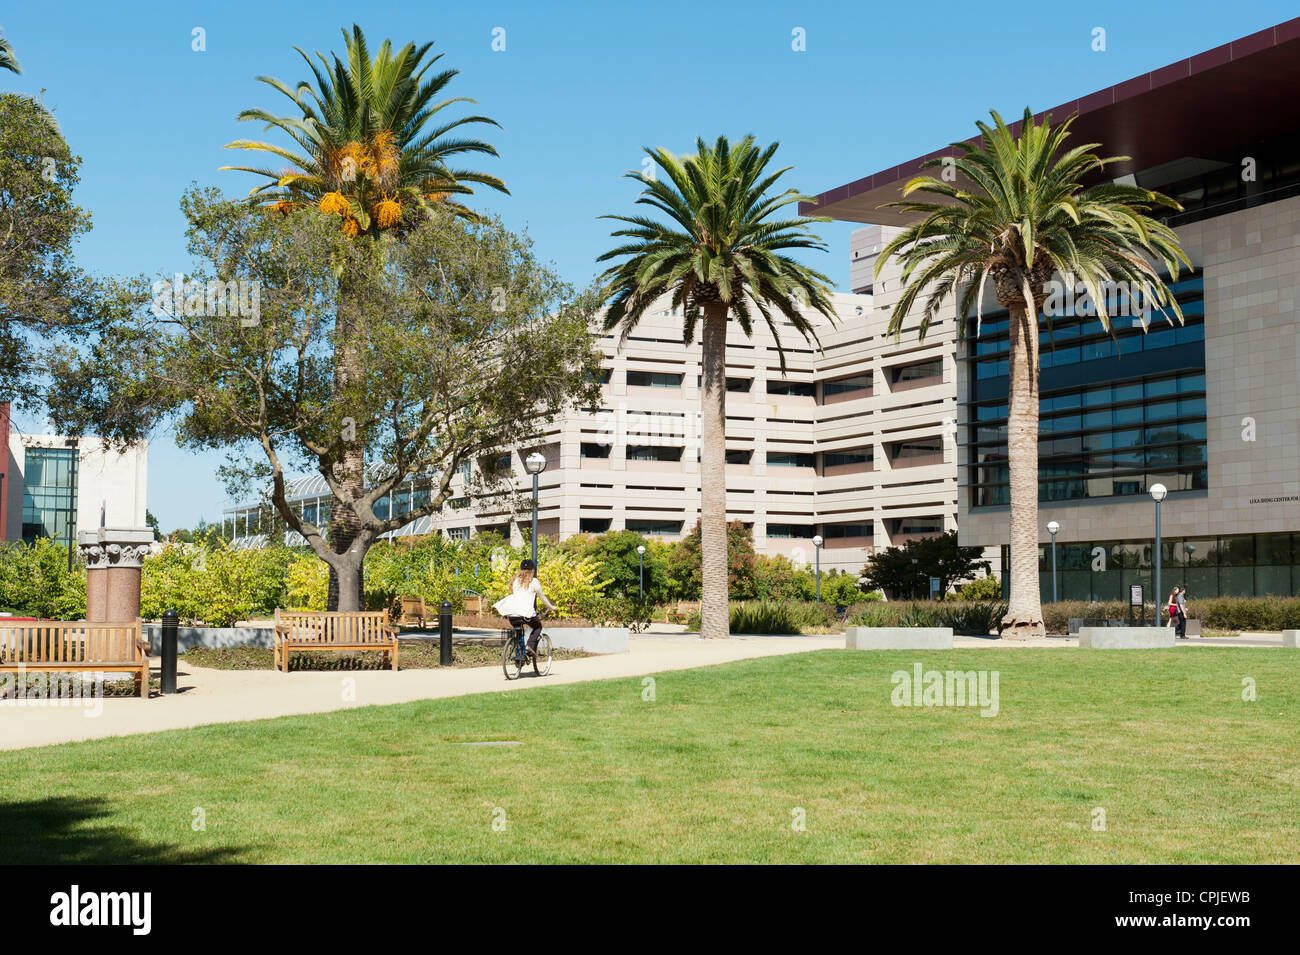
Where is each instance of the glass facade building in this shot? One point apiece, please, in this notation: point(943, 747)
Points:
point(1118, 411)
point(50, 494)
point(1245, 565)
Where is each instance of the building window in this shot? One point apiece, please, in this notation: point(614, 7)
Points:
point(855, 386)
point(916, 452)
point(1244, 565)
point(790, 459)
point(655, 528)
point(739, 385)
point(590, 449)
point(844, 462)
point(1100, 440)
point(840, 531)
point(794, 389)
point(791, 531)
point(917, 375)
point(49, 494)
point(601, 377)
point(458, 533)
point(593, 525)
point(739, 455)
point(653, 452)
point(654, 379)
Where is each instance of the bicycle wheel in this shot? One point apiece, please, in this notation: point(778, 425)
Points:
point(510, 659)
point(542, 660)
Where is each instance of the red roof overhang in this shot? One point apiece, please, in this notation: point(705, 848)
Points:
point(1215, 103)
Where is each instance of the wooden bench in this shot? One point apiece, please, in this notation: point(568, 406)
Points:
point(75, 646)
point(337, 631)
point(412, 612)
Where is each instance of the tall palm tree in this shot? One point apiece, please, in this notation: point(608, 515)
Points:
point(366, 150)
point(719, 257)
point(373, 150)
point(7, 59)
point(1021, 216)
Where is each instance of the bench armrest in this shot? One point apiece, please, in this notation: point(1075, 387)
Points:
point(143, 645)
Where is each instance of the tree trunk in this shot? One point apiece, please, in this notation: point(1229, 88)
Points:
point(1024, 618)
point(714, 614)
point(345, 525)
point(347, 583)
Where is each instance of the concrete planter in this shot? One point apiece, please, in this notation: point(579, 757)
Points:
point(898, 638)
point(1126, 638)
point(214, 638)
point(590, 639)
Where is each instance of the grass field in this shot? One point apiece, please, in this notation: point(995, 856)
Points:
point(718, 767)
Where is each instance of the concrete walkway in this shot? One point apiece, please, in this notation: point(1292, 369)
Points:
point(229, 696)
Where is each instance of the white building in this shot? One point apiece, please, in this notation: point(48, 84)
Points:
point(54, 486)
point(855, 442)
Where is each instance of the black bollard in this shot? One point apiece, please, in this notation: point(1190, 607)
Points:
point(170, 621)
point(444, 633)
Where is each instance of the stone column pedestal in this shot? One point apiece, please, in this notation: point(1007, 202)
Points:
point(113, 558)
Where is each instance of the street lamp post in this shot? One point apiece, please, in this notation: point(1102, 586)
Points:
point(640, 566)
point(535, 464)
point(917, 579)
point(1052, 528)
point(1158, 492)
point(817, 548)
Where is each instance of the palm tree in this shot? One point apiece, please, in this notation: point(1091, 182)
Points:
point(1020, 217)
point(374, 150)
point(720, 259)
point(367, 154)
point(7, 59)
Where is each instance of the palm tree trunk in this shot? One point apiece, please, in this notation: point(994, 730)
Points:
point(1024, 617)
point(714, 618)
point(347, 583)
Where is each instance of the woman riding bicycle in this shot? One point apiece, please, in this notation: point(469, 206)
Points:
point(520, 608)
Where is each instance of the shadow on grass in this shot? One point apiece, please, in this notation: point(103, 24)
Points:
point(76, 831)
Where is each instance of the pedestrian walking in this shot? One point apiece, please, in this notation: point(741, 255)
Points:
point(1181, 602)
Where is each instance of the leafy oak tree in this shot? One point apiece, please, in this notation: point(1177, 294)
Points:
point(460, 345)
point(43, 295)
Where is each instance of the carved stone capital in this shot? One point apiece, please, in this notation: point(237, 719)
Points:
point(107, 547)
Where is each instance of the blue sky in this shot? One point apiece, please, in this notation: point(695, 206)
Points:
point(578, 90)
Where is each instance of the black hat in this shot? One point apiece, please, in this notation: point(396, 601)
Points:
point(528, 565)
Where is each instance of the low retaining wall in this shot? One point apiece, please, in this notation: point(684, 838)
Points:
point(590, 639)
point(1126, 638)
point(214, 638)
point(1289, 639)
point(1078, 623)
point(898, 638)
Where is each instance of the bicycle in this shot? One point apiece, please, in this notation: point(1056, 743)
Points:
point(514, 655)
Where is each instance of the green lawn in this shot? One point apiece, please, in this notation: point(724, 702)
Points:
point(713, 770)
